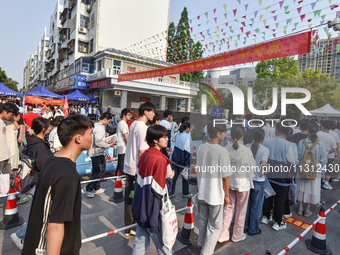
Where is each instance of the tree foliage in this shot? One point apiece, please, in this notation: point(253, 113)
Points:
point(181, 47)
point(284, 72)
point(8, 81)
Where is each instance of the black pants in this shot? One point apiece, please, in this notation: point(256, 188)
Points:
point(120, 163)
point(277, 202)
point(98, 171)
point(129, 186)
point(185, 183)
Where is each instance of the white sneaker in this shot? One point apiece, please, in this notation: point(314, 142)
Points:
point(99, 191)
point(89, 194)
point(223, 239)
point(286, 216)
point(17, 241)
point(327, 186)
point(278, 227)
point(265, 220)
point(240, 239)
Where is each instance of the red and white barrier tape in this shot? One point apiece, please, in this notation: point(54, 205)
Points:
point(115, 231)
point(101, 179)
point(289, 246)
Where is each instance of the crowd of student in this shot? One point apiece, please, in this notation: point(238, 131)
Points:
point(143, 148)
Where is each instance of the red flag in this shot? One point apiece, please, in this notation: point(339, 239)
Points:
point(65, 108)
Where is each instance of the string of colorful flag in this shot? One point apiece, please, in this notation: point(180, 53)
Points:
point(232, 29)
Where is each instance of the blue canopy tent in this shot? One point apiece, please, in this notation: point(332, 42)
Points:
point(5, 91)
point(78, 96)
point(43, 92)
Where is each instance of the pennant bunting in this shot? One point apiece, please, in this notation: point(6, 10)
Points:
point(215, 18)
point(299, 10)
point(317, 13)
point(235, 12)
point(225, 15)
point(267, 7)
point(206, 15)
point(246, 7)
point(313, 5)
point(281, 4)
point(275, 17)
point(333, 6)
point(225, 7)
point(260, 2)
point(214, 11)
point(255, 13)
point(302, 17)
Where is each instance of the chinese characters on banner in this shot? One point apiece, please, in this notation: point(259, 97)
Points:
point(288, 46)
point(39, 100)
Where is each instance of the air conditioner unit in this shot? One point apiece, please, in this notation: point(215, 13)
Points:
point(82, 30)
point(82, 49)
point(89, 8)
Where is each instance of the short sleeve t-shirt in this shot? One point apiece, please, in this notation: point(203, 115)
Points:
point(122, 129)
point(329, 141)
point(261, 155)
point(136, 142)
point(213, 164)
point(59, 187)
point(4, 151)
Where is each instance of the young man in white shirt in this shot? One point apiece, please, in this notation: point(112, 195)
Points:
point(167, 123)
point(7, 111)
point(122, 137)
point(330, 144)
point(97, 154)
point(136, 145)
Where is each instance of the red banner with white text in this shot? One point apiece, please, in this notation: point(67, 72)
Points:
point(39, 100)
point(288, 46)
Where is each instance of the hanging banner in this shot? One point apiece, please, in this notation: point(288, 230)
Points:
point(288, 46)
point(39, 100)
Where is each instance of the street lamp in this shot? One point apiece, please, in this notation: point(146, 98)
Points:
point(335, 23)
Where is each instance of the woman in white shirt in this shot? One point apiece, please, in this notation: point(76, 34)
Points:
point(256, 197)
point(242, 165)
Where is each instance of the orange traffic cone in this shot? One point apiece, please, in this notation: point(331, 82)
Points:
point(318, 242)
point(11, 217)
point(188, 225)
point(118, 192)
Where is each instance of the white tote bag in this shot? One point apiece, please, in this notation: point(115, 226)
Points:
point(4, 184)
point(169, 222)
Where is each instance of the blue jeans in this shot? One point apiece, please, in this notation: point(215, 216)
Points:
point(254, 210)
point(98, 171)
point(185, 183)
point(142, 242)
point(21, 233)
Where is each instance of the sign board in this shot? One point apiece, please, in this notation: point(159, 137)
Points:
point(105, 73)
point(78, 81)
point(100, 84)
point(61, 85)
point(217, 112)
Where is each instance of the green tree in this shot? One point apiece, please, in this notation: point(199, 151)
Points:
point(182, 48)
point(8, 81)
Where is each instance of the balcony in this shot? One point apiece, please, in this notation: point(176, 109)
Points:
point(64, 16)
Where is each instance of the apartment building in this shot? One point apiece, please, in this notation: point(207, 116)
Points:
point(324, 56)
point(84, 48)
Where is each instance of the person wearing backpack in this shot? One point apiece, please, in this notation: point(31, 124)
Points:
point(311, 154)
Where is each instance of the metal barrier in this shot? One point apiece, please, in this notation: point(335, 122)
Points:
point(115, 231)
point(101, 179)
point(289, 246)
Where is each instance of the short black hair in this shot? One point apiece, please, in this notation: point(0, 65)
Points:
point(213, 130)
point(10, 107)
point(281, 129)
point(303, 124)
point(146, 107)
point(39, 124)
point(327, 124)
point(155, 132)
point(106, 115)
point(185, 119)
point(167, 113)
point(157, 117)
point(71, 126)
point(125, 112)
point(56, 120)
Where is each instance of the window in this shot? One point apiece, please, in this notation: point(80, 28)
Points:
point(116, 66)
point(91, 46)
point(87, 65)
point(92, 21)
point(84, 21)
point(99, 65)
point(85, 1)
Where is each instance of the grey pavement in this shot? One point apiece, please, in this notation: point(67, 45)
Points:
point(100, 216)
